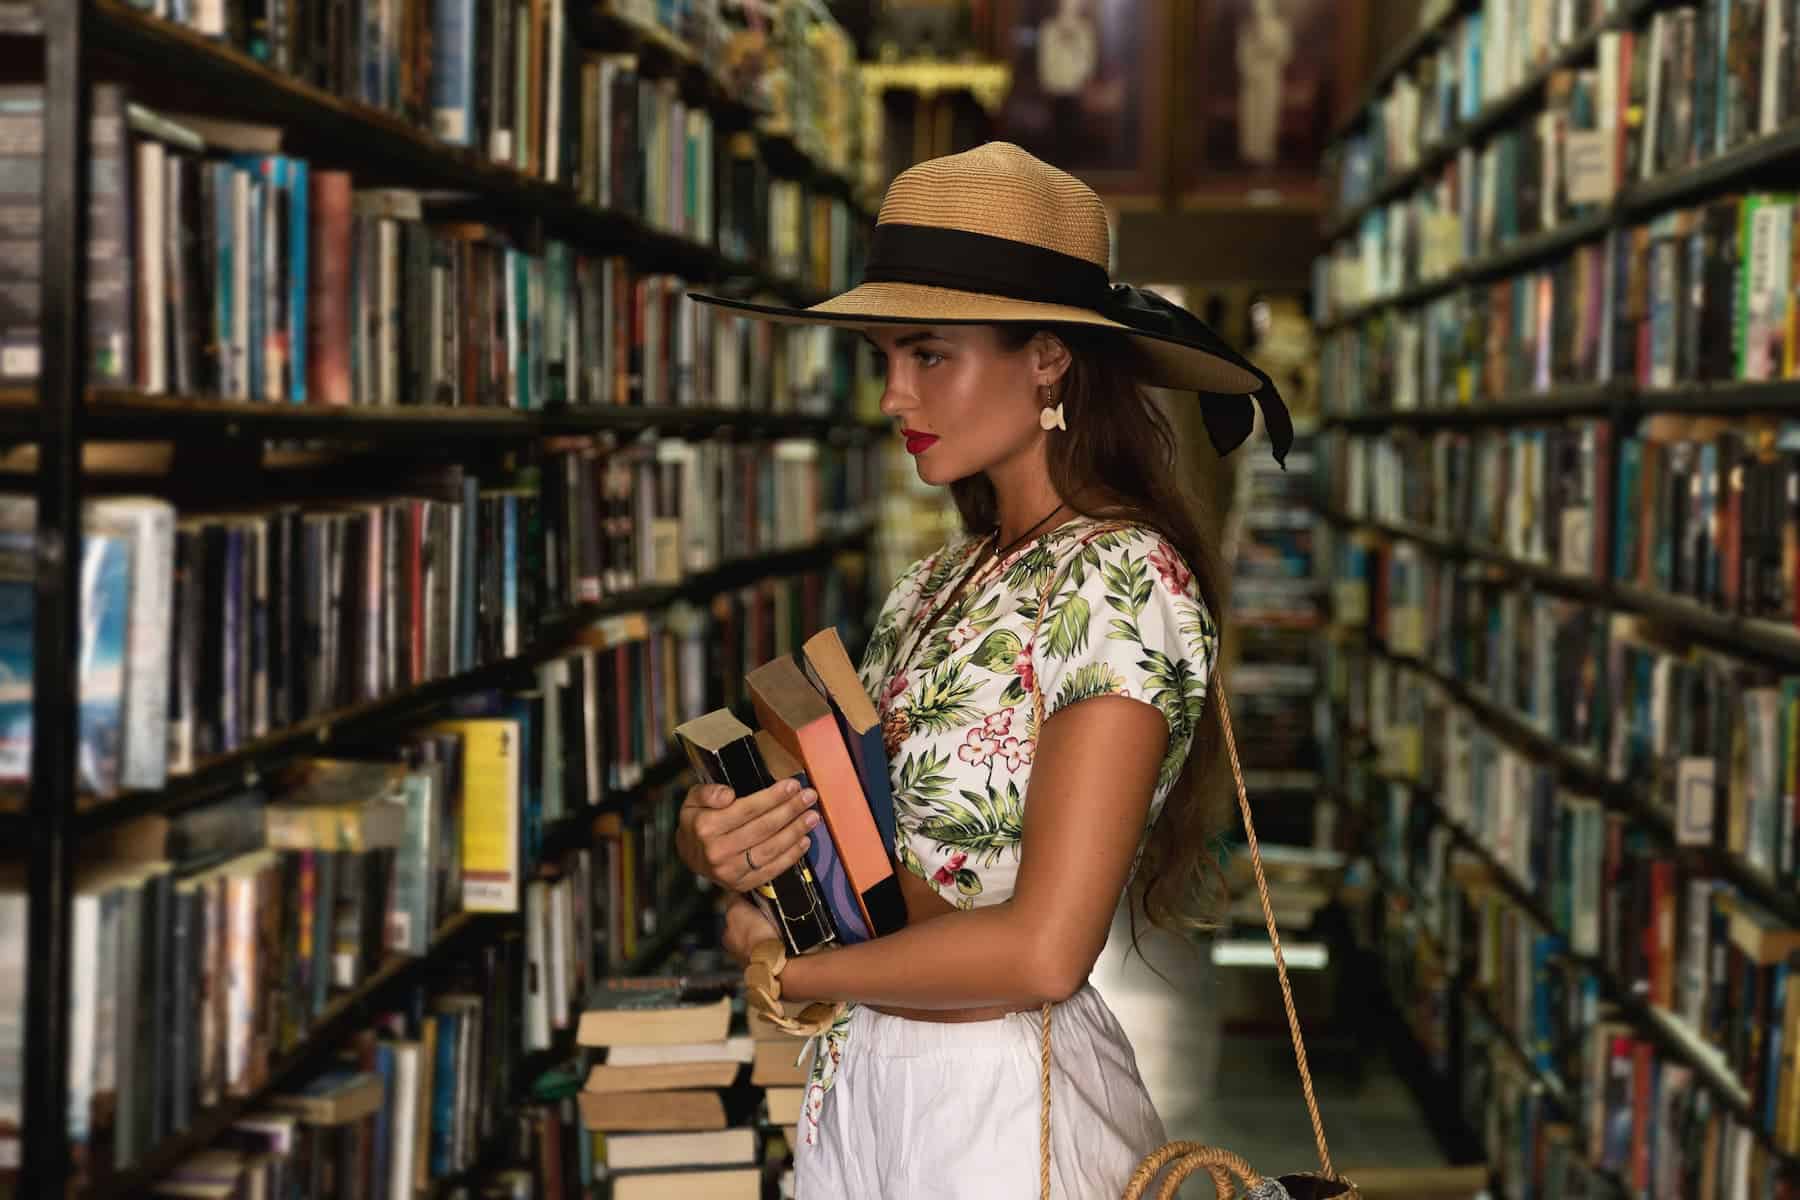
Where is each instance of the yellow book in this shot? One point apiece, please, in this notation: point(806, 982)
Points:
point(490, 812)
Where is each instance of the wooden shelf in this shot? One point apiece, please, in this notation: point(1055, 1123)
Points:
point(126, 414)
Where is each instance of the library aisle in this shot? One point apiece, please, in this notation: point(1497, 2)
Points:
point(403, 505)
point(1241, 1090)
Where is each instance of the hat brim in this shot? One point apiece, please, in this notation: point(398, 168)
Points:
point(1167, 361)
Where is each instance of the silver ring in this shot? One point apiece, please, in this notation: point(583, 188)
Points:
point(747, 861)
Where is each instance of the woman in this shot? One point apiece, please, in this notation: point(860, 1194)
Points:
point(1042, 686)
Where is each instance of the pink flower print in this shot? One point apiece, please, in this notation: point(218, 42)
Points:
point(998, 723)
point(1017, 752)
point(963, 634)
point(1023, 668)
point(945, 875)
point(1174, 572)
point(978, 748)
point(890, 693)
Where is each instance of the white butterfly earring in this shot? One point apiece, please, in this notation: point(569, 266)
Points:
point(1051, 415)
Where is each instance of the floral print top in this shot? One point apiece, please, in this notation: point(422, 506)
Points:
point(1123, 618)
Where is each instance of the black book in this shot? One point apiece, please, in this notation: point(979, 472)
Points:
point(209, 735)
point(722, 749)
point(153, 1010)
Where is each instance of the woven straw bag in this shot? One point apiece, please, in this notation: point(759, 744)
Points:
point(1179, 1158)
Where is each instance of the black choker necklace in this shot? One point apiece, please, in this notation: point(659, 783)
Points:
point(1035, 526)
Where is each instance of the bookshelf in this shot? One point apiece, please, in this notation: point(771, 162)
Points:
point(1476, 314)
point(87, 41)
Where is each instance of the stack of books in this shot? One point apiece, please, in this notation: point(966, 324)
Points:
point(779, 1069)
point(819, 726)
point(659, 1097)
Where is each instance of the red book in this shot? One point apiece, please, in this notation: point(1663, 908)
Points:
point(793, 712)
point(328, 292)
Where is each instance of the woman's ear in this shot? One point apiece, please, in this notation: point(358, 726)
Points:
point(1049, 358)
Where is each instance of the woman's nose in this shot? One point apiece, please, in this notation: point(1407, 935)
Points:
point(894, 400)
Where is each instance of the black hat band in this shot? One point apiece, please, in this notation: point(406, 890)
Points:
point(977, 262)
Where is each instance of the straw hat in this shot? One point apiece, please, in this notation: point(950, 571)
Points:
point(994, 234)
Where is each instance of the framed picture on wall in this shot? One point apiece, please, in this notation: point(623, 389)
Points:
point(1276, 75)
point(1088, 92)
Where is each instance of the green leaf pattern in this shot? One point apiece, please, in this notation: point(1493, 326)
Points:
point(1122, 619)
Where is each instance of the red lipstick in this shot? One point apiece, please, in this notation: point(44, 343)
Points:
point(916, 442)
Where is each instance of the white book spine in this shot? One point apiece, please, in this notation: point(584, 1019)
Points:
point(84, 973)
point(537, 1001)
point(152, 215)
point(406, 1119)
point(149, 525)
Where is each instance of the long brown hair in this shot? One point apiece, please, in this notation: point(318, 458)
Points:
point(1117, 460)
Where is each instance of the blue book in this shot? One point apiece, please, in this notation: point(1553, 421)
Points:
point(299, 273)
point(384, 1117)
point(826, 664)
point(829, 878)
point(453, 61)
point(443, 1093)
point(105, 627)
point(224, 279)
point(1625, 511)
point(1774, 1021)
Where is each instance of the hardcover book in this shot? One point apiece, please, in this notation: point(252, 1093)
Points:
point(723, 750)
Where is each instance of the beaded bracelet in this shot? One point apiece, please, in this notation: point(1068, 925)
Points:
point(762, 991)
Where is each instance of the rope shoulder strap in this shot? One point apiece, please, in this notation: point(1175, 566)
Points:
point(1194, 1156)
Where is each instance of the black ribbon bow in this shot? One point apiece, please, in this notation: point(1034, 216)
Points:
point(1229, 417)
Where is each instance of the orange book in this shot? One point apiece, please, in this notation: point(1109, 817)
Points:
point(798, 717)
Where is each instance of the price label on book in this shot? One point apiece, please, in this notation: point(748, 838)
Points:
point(1588, 165)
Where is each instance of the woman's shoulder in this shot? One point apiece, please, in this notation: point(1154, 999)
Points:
point(1104, 543)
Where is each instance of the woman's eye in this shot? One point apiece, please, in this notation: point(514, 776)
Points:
point(926, 358)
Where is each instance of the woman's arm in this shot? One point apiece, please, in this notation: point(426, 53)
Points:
point(1091, 782)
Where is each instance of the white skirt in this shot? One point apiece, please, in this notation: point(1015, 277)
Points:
point(950, 1111)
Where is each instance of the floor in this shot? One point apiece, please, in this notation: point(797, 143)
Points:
point(1240, 1090)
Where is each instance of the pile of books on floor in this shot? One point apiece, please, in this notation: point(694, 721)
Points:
point(660, 1097)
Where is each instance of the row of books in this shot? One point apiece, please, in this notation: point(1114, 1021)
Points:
point(1556, 1056)
point(1703, 739)
point(1542, 658)
point(1538, 493)
point(404, 1107)
point(205, 630)
point(1482, 57)
point(211, 944)
point(223, 266)
point(1276, 609)
point(1692, 82)
point(642, 514)
point(1542, 328)
point(1708, 510)
point(1695, 294)
point(508, 80)
point(1702, 508)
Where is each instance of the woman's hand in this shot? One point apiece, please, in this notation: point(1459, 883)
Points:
point(739, 842)
point(745, 927)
